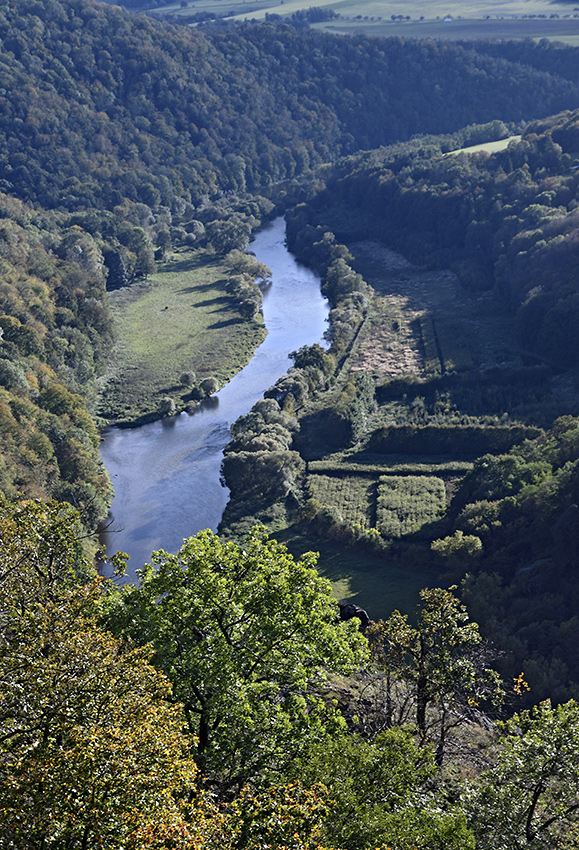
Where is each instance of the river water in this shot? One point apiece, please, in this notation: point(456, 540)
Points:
point(166, 473)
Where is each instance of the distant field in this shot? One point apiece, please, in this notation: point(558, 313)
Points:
point(179, 320)
point(454, 20)
point(564, 30)
point(352, 497)
point(407, 503)
point(488, 147)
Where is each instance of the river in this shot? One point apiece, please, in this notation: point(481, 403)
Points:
point(166, 473)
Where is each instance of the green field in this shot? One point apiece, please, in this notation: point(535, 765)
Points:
point(352, 497)
point(369, 464)
point(178, 320)
point(453, 20)
point(486, 147)
point(396, 505)
point(468, 28)
point(376, 582)
point(406, 503)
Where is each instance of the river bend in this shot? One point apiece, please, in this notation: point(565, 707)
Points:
point(166, 473)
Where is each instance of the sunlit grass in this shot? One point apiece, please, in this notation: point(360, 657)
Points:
point(179, 320)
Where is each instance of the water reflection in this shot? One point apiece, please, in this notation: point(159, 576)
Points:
point(166, 473)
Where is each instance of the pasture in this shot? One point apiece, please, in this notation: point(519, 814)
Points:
point(178, 320)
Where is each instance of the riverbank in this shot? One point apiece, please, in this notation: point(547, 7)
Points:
point(166, 475)
point(178, 323)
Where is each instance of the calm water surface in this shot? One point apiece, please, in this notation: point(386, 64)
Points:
point(166, 473)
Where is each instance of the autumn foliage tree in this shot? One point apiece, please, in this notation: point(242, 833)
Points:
point(91, 751)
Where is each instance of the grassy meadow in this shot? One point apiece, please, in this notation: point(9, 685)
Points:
point(486, 147)
point(178, 320)
point(377, 582)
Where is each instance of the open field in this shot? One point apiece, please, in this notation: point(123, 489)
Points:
point(454, 20)
point(178, 320)
point(563, 29)
point(486, 147)
point(396, 506)
point(376, 582)
point(422, 327)
point(368, 464)
point(424, 323)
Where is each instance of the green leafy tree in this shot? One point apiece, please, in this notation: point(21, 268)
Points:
point(529, 798)
point(275, 473)
point(209, 386)
point(379, 793)
point(240, 631)
point(458, 548)
point(241, 263)
point(442, 662)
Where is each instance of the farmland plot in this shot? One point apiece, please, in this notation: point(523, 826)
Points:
point(350, 497)
point(407, 503)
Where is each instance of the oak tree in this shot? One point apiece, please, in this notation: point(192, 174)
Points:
point(442, 662)
point(241, 630)
point(529, 798)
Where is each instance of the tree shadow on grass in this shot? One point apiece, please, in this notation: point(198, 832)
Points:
point(184, 265)
point(220, 299)
point(214, 284)
point(377, 582)
point(226, 323)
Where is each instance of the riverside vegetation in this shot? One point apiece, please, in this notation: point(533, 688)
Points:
point(437, 431)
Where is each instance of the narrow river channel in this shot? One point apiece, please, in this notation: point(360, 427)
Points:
point(166, 473)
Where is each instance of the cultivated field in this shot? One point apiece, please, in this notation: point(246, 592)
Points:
point(395, 505)
point(455, 19)
point(351, 498)
point(406, 504)
point(424, 323)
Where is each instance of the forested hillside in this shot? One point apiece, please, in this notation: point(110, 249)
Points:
point(100, 105)
point(505, 221)
point(55, 330)
point(129, 127)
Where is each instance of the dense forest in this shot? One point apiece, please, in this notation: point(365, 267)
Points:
point(100, 106)
point(226, 701)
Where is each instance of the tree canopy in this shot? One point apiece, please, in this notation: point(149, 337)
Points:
point(91, 751)
point(241, 631)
